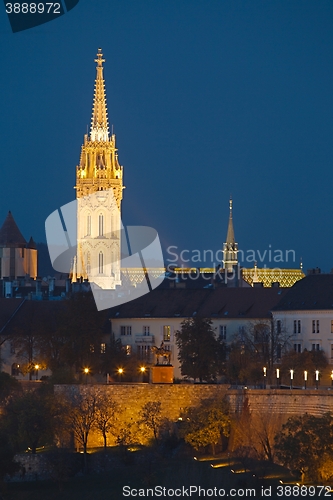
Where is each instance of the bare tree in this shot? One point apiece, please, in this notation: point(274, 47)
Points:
point(106, 415)
point(82, 417)
point(151, 416)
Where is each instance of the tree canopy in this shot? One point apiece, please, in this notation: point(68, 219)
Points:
point(305, 442)
point(199, 350)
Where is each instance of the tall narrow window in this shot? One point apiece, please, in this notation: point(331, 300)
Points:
point(88, 225)
point(100, 263)
point(101, 225)
point(223, 332)
point(317, 325)
point(166, 333)
point(299, 326)
point(313, 326)
point(295, 326)
point(88, 266)
point(146, 330)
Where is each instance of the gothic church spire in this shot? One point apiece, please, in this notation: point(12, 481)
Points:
point(99, 130)
point(230, 247)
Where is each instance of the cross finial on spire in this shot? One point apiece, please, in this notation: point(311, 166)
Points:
point(99, 59)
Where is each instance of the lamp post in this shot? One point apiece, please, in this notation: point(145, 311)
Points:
point(142, 370)
point(265, 373)
point(120, 372)
point(86, 371)
point(277, 376)
point(291, 378)
point(317, 378)
point(36, 368)
point(305, 378)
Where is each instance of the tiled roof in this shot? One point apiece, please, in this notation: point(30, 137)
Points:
point(314, 292)
point(10, 235)
point(209, 303)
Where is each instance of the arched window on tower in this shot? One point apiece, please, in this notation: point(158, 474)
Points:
point(88, 225)
point(100, 263)
point(101, 225)
point(88, 266)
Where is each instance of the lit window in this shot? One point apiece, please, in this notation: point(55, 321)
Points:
point(128, 350)
point(92, 348)
point(166, 333)
point(103, 348)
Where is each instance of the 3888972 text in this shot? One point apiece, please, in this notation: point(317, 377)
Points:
point(33, 8)
point(303, 490)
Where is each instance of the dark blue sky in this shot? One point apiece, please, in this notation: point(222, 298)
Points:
point(207, 98)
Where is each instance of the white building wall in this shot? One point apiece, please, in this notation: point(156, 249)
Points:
point(309, 337)
point(155, 337)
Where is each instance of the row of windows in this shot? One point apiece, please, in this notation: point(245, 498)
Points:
point(101, 228)
point(314, 347)
point(298, 326)
point(127, 330)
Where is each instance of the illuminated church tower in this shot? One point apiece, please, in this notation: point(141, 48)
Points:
point(230, 247)
point(99, 188)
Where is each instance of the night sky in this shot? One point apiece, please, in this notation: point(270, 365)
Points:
point(207, 99)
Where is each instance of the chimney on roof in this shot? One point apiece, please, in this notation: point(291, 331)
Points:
point(315, 270)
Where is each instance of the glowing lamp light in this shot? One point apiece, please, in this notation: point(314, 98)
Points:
point(86, 371)
point(265, 371)
point(120, 371)
point(36, 367)
point(277, 373)
point(317, 375)
point(142, 369)
point(305, 375)
point(291, 374)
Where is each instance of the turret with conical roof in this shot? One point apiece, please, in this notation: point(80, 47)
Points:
point(10, 235)
point(230, 247)
point(17, 257)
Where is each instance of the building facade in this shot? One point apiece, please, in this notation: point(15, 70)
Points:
point(306, 314)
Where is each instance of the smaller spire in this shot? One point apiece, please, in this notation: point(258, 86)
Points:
point(230, 234)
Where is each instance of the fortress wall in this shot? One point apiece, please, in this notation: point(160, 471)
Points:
point(176, 397)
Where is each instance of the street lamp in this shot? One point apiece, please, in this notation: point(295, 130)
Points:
point(291, 378)
point(265, 373)
point(305, 378)
point(317, 378)
point(120, 372)
point(277, 376)
point(143, 371)
point(36, 368)
point(86, 371)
